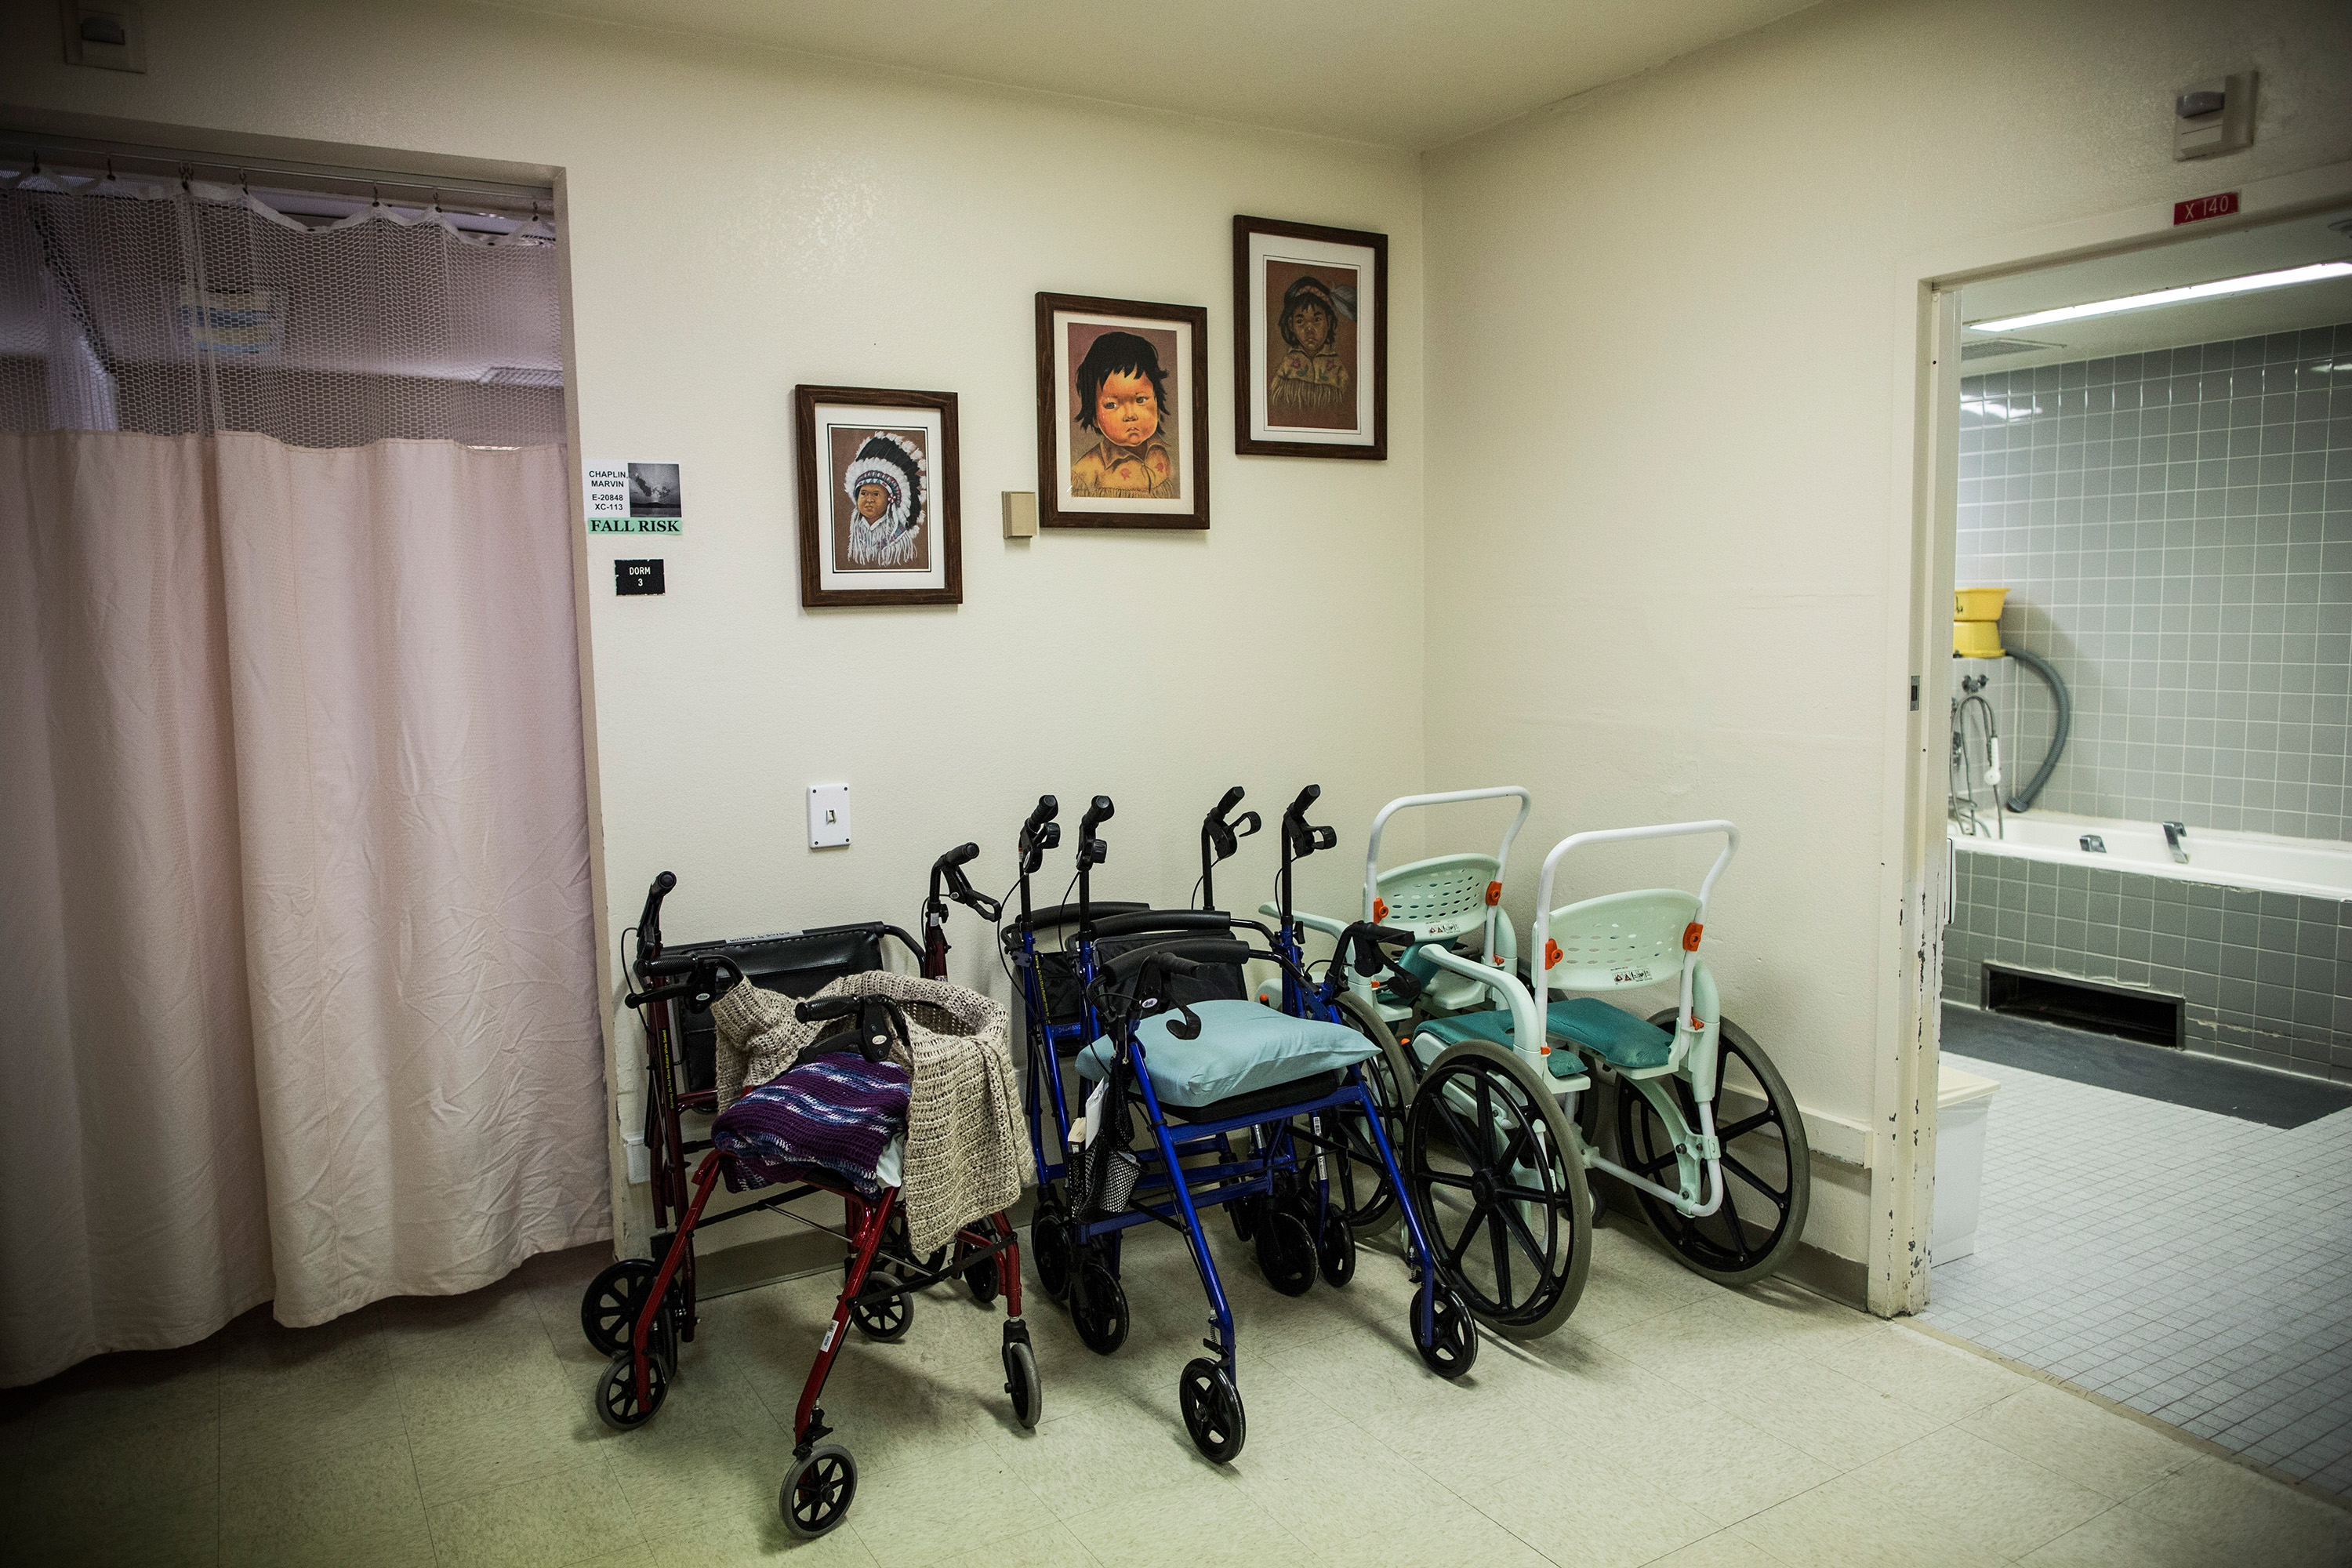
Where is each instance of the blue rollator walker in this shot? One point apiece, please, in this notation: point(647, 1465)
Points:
point(1167, 1026)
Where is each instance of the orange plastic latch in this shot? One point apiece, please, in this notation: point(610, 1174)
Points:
point(1698, 1025)
point(1380, 909)
point(1498, 960)
point(1690, 937)
point(1543, 1050)
point(1493, 894)
point(1551, 954)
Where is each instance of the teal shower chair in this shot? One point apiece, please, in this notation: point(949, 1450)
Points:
point(1505, 1118)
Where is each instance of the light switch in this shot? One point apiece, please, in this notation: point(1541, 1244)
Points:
point(828, 815)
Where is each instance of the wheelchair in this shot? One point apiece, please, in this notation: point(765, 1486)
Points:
point(1151, 1015)
point(638, 1310)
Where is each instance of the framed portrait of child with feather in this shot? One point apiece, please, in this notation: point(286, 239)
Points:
point(879, 516)
point(1310, 341)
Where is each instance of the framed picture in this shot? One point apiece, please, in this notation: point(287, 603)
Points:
point(1310, 341)
point(880, 520)
point(1122, 413)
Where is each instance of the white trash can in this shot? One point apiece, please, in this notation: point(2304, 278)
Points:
point(1963, 1102)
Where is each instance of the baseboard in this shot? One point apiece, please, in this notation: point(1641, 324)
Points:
point(1825, 1273)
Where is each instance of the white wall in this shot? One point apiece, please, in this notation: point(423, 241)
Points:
point(1665, 353)
point(742, 221)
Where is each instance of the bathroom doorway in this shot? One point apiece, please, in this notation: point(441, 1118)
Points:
point(2145, 1123)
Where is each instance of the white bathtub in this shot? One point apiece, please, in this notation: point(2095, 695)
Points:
point(2314, 868)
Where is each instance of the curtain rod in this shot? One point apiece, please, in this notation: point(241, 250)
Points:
point(319, 178)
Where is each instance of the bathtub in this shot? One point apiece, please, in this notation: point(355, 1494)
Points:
point(2316, 868)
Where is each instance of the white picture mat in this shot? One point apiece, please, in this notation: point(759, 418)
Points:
point(833, 504)
point(1180, 403)
point(1264, 247)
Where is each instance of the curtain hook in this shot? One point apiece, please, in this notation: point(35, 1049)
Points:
point(109, 168)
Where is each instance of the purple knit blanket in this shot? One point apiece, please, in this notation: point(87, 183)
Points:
point(832, 1117)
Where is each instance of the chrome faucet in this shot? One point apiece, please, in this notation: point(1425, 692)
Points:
point(2175, 838)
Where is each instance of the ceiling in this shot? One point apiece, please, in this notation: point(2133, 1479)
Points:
point(2268, 248)
point(1401, 73)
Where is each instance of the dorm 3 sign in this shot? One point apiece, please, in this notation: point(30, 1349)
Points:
point(632, 498)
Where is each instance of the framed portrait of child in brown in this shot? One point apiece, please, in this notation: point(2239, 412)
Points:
point(1122, 413)
point(1310, 341)
point(880, 519)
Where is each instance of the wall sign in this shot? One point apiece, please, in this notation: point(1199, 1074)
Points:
point(632, 498)
point(2221, 206)
point(631, 577)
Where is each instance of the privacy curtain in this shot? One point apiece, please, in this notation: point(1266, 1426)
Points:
point(295, 893)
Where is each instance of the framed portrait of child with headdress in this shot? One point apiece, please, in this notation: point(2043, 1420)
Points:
point(1310, 341)
point(880, 520)
point(1122, 413)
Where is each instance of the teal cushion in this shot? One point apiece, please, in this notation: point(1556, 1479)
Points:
point(1243, 1046)
point(1617, 1037)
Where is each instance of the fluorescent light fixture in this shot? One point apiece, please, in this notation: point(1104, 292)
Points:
point(2213, 290)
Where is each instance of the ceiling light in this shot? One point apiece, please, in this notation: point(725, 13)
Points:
point(2213, 290)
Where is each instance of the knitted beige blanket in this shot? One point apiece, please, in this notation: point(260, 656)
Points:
point(964, 1140)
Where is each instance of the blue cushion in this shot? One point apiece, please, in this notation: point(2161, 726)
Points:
point(1617, 1037)
point(1242, 1047)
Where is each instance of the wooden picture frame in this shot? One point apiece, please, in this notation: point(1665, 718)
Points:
point(1310, 397)
point(909, 551)
point(1086, 477)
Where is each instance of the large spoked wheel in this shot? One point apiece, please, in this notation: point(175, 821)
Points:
point(885, 1318)
point(1767, 1164)
point(610, 1306)
point(818, 1490)
point(1359, 1178)
point(1099, 1307)
point(1049, 1249)
point(1021, 1382)
point(618, 1403)
point(1498, 1175)
point(1213, 1410)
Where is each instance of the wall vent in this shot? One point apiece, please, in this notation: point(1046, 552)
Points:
point(2148, 1017)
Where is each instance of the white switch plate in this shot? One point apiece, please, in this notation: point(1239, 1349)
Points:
point(828, 815)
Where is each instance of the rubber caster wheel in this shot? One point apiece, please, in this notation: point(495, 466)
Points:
point(609, 1307)
point(886, 1319)
point(617, 1404)
point(1454, 1348)
point(1213, 1410)
point(1049, 1250)
point(1099, 1307)
point(1021, 1384)
point(898, 1245)
point(1286, 1252)
point(1336, 1253)
point(818, 1490)
point(980, 1277)
point(1244, 1212)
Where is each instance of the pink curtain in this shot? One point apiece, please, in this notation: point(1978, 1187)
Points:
point(296, 889)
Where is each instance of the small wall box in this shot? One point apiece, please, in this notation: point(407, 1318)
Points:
point(1020, 514)
point(828, 815)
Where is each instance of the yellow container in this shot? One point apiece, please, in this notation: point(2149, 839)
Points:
point(1978, 604)
point(1977, 639)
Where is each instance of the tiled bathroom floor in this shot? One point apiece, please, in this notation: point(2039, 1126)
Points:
point(2186, 1264)
point(1669, 1422)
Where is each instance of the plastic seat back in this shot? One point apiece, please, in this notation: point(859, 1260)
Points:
point(1440, 898)
point(1619, 939)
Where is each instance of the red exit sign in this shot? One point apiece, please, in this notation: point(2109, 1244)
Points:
point(2204, 207)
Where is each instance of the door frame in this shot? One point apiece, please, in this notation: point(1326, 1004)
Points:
point(1914, 867)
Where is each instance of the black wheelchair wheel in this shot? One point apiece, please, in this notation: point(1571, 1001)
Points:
point(1286, 1252)
point(1359, 1178)
point(898, 1247)
point(1099, 1307)
point(1335, 1249)
point(1021, 1382)
point(1767, 1162)
point(818, 1490)
point(1244, 1212)
point(1049, 1251)
point(617, 1404)
point(1213, 1410)
point(610, 1306)
point(883, 1319)
point(1452, 1348)
point(1497, 1175)
point(981, 1278)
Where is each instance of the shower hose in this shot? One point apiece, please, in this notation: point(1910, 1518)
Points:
point(2023, 799)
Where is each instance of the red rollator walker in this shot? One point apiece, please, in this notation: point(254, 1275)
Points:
point(639, 1310)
